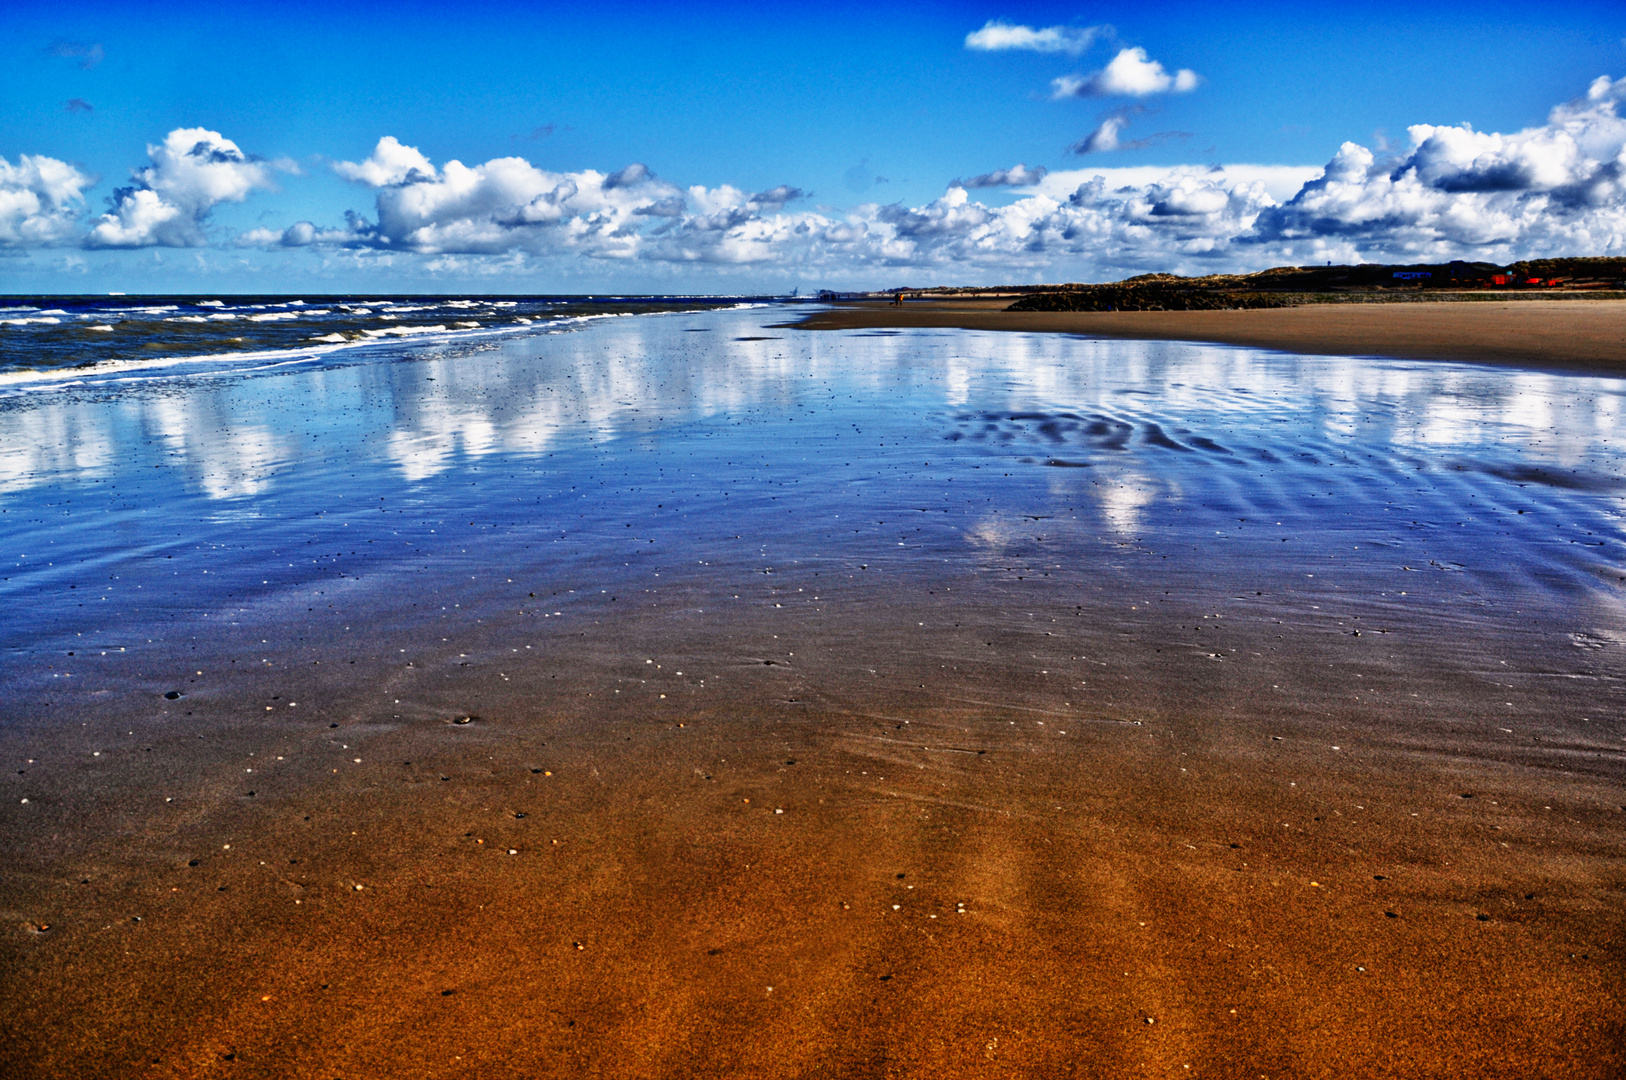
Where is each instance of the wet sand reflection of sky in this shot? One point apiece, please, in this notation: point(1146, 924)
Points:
point(913, 447)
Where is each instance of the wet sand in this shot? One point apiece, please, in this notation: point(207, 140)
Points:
point(847, 863)
point(1569, 335)
point(888, 779)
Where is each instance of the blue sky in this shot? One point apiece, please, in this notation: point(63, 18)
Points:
point(866, 114)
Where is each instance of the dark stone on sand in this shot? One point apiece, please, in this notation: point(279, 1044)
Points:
point(173, 695)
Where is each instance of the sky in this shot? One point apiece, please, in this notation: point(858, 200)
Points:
point(748, 148)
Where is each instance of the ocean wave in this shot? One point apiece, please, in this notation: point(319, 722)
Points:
point(117, 372)
point(405, 331)
point(111, 371)
point(185, 338)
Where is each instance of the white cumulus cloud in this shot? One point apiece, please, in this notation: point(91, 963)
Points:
point(299, 234)
point(1129, 74)
point(1018, 175)
point(40, 199)
point(1107, 135)
point(998, 36)
point(1556, 188)
point(1103, 138)
point(390, 163)
point(506, 204)
point(191, 172)
point(1280, 182)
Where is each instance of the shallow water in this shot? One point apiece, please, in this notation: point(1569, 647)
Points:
point(896, 500)
point(712, 456)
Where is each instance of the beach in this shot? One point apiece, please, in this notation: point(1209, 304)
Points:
point(1574, 334)
point(686, 695)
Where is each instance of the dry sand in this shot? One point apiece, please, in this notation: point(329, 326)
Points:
point(1575, 335)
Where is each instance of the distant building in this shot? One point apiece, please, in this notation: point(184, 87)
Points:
point(1413, 275)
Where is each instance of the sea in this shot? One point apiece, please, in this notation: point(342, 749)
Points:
point(49, 339)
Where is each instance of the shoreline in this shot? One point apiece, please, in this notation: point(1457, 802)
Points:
point(1562, 335)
